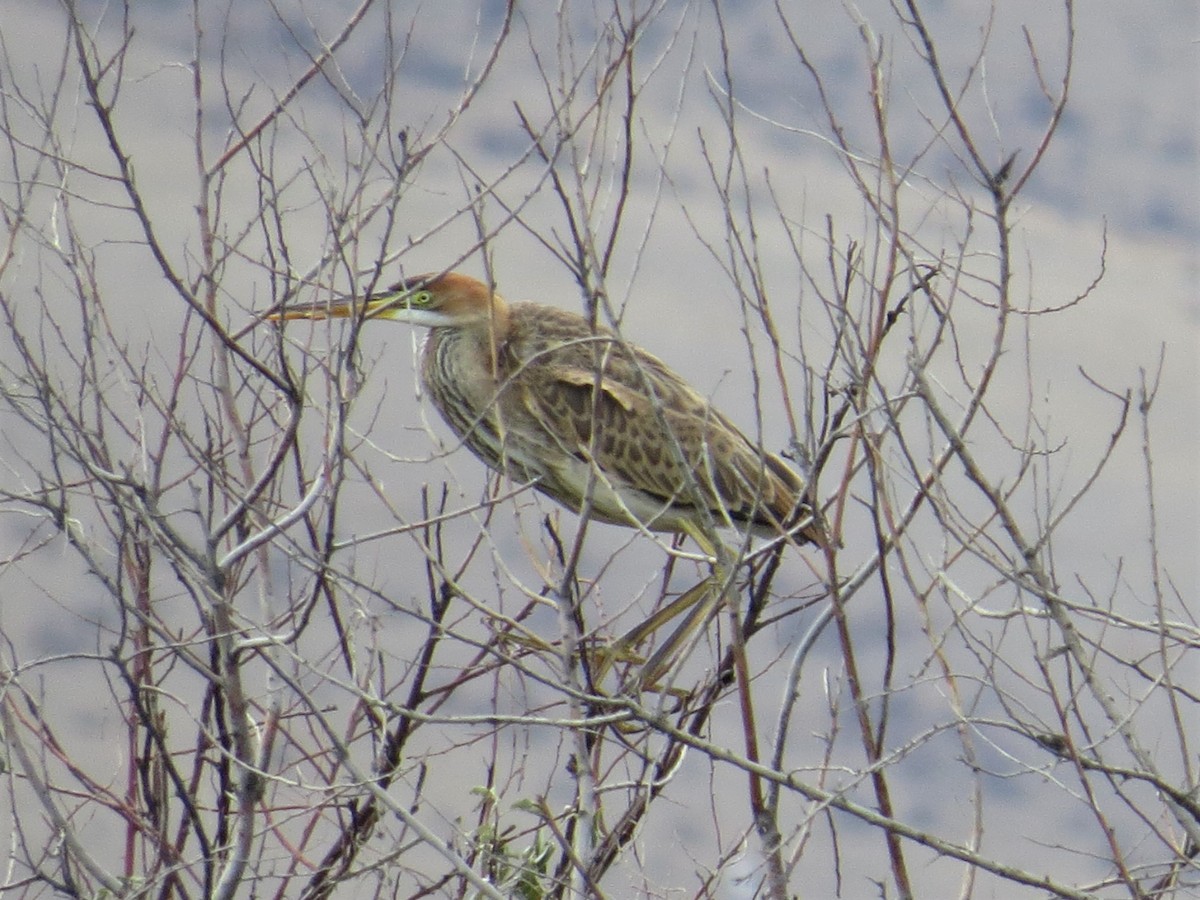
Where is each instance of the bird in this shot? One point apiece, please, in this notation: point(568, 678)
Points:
point(545, 396)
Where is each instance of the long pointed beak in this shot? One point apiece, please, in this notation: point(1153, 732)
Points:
point(343, 308)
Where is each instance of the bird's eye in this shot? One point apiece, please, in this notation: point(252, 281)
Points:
point(420, 298)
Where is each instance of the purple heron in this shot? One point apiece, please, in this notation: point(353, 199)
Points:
point(595, 423)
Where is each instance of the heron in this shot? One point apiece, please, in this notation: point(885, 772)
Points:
point(546, 396)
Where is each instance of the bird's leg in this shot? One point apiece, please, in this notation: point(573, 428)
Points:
point(622, 647)
point(698, 604)
point(704, 600)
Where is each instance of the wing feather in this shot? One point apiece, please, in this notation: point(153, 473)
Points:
point(616, 423)
point(619, 429)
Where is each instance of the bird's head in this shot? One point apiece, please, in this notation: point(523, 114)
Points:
point(449, 300)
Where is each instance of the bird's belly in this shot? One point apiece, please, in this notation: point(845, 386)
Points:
point(577, 484)
point(566, 478)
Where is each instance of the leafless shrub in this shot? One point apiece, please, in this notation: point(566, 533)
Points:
point(261, 639)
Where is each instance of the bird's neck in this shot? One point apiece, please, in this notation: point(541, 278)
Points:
point(486, 334)
point(494, 332)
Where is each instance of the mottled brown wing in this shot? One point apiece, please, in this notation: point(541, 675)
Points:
point(620, 429)
point(556, 355)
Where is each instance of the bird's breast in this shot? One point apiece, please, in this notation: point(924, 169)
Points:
point(470, 389)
